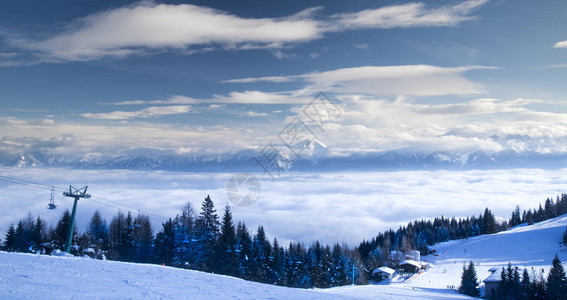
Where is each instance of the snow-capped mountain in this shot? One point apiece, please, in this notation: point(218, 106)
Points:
point(308, 155)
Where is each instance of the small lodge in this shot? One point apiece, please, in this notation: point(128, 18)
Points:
point(491, 282)
point(409, 266)
point(382, 273)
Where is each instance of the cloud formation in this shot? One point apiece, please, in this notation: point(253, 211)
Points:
point(351, 206)
point(148, 27)
point(244, 97)
point(562, 44)
point(424, 80)
point(149, 112)
point(406, 15)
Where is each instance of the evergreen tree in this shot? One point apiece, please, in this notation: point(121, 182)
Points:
point(208, 226)
point(469, 281)
point(38, 236)
point(226, 246)
point(164, 243)
point(143, 238)
point(488, 222)
point(550, 209)
point(526, 288)
point(243, 250)
point(127, 249)
point(117, 234)
point(10, 241)
point(556, 281)
point(62, 228)
point(516, 219)
point(98, 231)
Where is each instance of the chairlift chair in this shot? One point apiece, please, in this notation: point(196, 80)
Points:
point(51, 205)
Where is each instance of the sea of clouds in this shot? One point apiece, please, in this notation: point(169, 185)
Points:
point(330, 207)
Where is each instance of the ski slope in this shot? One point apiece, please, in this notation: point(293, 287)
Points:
point(532, 247)
point(29, 276)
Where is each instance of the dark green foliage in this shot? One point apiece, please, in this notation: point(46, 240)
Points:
point(226, 246)
point(200, 242)
point(488, 222)
point(516, 219)
point(469, 281)
point(10, 241)
point(556, 281)
point(510, 286)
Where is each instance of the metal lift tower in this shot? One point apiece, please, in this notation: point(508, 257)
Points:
point(74, 193)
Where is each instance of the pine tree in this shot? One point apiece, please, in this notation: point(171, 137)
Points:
point(143, 238)
point(37, 234)
point(117, 233)
point(556, 281)
point(526, 290)
point(550, 209)
point(469, 281)
point(164, 243)
point(488, 222)
point(516, 219)
point(127, 250)
point(226, 246)
point(62, 228)
point(208, 226)
point(98, 231)
point(10, 241)
point(244, 250)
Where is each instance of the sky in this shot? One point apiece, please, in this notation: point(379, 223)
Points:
point(201, 77)
point(103, 78)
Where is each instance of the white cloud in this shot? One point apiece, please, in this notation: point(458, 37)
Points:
point(363, 46)
point(148, 27)
point(149, 112)
point(562, 44)
point(126, 31)
point(244, 97)
point(251, 113)
point(423, 80)
point(353, 206)
point(407, 15)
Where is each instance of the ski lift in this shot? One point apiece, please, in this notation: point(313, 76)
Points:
point(51, 205)
point(237, 250)
point(228, 248)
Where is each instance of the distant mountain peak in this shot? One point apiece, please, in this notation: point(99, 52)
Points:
point(27, 160)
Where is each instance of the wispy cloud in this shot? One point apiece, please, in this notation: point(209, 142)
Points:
point(148, 27)
point(149, 112)
point(244, 97)
point(386, 80)
point(407, 15)
point(562, 44)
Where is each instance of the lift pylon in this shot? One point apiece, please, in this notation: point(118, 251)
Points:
point(74, 193)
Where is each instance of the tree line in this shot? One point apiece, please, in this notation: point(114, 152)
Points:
point(421, 235)
point(514, 286)
point(203, 241)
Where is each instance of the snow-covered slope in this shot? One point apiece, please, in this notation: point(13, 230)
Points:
point(532, 247)
point(28, 276)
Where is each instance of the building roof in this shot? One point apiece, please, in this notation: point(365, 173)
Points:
point(494, 277)
point(384, 270)
point(410, 262)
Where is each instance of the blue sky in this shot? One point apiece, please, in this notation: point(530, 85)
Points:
point(99, 77)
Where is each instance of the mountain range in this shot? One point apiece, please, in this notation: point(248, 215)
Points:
point(311, 155)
